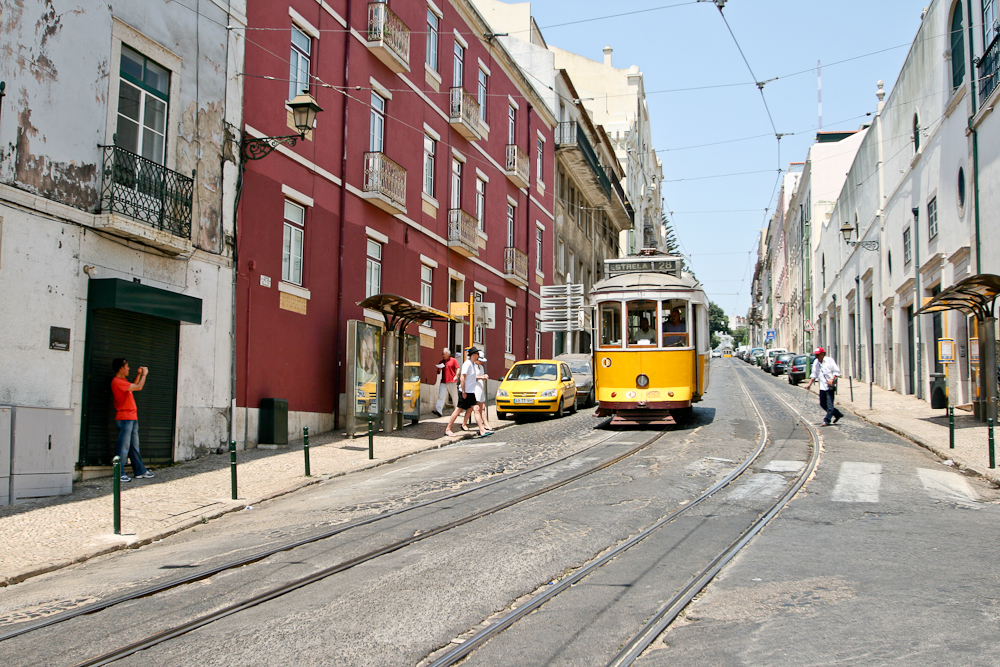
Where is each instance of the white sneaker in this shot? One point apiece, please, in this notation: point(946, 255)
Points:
point(125, 478)
point(145, 475)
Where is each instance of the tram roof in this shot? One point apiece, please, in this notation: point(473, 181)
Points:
point(648, 285)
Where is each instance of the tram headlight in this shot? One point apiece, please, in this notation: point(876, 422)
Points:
point(642, 381)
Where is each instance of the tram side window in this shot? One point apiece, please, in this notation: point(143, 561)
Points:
point(611, 325)
point(674, 325)
point(642, 323)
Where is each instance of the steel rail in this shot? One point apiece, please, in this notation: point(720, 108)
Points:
point(302, 582)
point(462, 650)
point(261, 555)
point(666, 614)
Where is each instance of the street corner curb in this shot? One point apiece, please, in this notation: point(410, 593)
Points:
point(39, 569)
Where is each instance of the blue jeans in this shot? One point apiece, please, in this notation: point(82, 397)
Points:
point(826, 402)
point(128, 444)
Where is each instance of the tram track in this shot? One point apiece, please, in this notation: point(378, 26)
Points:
point(297, 584)
point(668, 612)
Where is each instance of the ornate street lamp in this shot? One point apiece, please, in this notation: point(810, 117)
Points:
point(304, 110)
point(847, 230)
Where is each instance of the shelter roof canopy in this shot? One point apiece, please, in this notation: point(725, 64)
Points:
point(400, 309)
point(973, 295)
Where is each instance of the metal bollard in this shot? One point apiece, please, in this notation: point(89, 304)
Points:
point(371, 438)
point(951, 427)
point(116, 471)
point(989, 425)
point(305, 447)
point(850, 383)
point(232, 465)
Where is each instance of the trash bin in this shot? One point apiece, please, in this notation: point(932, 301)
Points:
point(939, 395)
point(272, 421)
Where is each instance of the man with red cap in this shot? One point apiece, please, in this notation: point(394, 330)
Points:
point(826, 370)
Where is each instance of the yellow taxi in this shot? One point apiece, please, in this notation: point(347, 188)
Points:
point(537, 386)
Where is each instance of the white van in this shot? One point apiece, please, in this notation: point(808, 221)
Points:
point(765, 363)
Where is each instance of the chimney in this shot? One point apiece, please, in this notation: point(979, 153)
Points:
point(607, 55)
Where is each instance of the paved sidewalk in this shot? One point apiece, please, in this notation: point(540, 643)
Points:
point(46, 534)
point(914, 419)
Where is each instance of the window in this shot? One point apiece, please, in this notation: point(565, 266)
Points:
point(298, 74)
point(458, 71)
point(510, 225)
point(990, 26)
point(957, 48)
point(376, 140)
point(539, 160)
point(961, 191)
point(906, 246)
point(538, 339)
point(291, 250)
point(430, 147)
point(538, 249)
point(641, 323)
point(433, 24)
point(560, 267)
point(373, 271)
point(484, 79)
point(511, 125)
point(456, 183)
point(570, 264)
point(823, 267)
point(674, 324)
point(481, 203)
point(143, 93)
point(508, 332)
point(932, 218)
point(611, 324)
point(426, 285)
point(479, 335)
point(916, 133)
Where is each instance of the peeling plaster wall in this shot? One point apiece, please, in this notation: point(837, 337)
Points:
point(59, 59)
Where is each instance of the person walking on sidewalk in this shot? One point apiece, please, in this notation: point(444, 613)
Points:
point(826, 370)
point(467, 388)
point(481, 377)
point(127, 417)
point(449, 372)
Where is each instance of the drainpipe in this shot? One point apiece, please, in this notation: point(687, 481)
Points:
point(917, 300)
point(975, 137)
point(339, 341)
point(857, 307)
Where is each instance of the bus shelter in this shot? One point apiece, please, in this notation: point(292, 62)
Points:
point(976, 295)
point(386, 398)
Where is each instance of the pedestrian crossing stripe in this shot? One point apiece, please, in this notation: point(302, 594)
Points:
point(858, 483)
point(945, 485)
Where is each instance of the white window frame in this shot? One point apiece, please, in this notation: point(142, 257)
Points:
point(456, 183)
point(433, 39)
point(907, 252)
point(538, 339)
point(145, 100)
point(509, 331)
point(430, 150)
point(932, 218)
point(540, 160)
point(511, 124)
point(458, 65)
point(570, 266)
point(299, 56)
point(511, 216)
point(376, 134)
point(293, 244)
point(481, 203)
point(373, 267)
point(427, 285)
point(482, 91)
point(538, 249)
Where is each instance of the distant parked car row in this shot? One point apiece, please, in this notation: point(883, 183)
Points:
point(778, 361)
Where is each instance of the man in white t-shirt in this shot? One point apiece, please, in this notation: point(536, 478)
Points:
point(826, 370)
point(467, 393)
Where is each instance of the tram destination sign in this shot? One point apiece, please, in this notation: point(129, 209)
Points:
point(668, 265)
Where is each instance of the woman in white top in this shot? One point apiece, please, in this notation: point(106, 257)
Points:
point(480, 395)
point(467, 393)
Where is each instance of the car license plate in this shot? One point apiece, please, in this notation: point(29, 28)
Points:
point(524, 400)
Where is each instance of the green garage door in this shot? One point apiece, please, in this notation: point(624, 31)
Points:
point(144, 340)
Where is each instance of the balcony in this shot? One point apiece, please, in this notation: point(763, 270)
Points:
point(515, 266)
point(989, 67)
point(598, 186)
point(157, 200)
point(463, 233)
point(385, 183)
point(464, 114)
point(517, 167)
point(388, 37)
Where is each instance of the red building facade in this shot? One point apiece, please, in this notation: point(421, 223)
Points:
point(429, 175)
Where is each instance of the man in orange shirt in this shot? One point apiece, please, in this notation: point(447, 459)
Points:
point(127, 417)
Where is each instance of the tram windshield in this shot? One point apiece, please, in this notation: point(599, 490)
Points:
point(611, 324)
point(674, 323)
point(641, 322)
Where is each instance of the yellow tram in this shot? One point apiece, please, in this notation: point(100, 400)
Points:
point(651, 340)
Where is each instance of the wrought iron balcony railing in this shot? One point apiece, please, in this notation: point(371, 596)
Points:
point(517, 167)
point(463, 232)
point(989, 68)
point(569, 135)
point(147, 191)
point(386, 30)
point(464, 114)
point(515, 265)
point(386, 180)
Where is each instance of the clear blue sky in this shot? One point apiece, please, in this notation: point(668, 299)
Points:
point(687, 45)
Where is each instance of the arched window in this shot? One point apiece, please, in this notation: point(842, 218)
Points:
point(916, 134)
point(957, 48)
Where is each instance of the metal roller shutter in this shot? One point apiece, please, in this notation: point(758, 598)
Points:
point(143, 340)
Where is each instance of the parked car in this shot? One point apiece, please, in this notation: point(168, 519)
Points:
point(799, 369)
point(768, 358)
point(754, 355)
point(581, 365)
point(780, 363)
point(538, 385)
point(716, 354)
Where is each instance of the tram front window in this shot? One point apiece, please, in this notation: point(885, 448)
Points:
point(674, 325)
point(611, 325)
point(641, 320)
